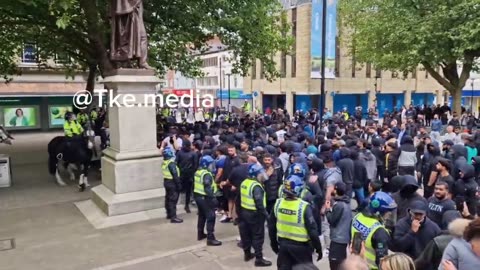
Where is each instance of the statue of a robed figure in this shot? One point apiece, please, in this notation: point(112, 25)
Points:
point(129, 36)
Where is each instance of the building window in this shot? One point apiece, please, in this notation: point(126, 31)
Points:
point(294, 22)
point(29, 54)
point(262, 70)
point(394, 75)
point(405, 75)
point(294, 34)
point(414, 74)
point(294, 66)
point(369, 70)
point(378, 73)
point(210, 62)
point(283, 65)
point(235, 81)
point(254, 69)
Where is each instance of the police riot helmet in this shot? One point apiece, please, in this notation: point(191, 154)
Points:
point(297, 169)
point(206, 161)
point(293, 186)
point(256, 171)
point(167, 153)
point(381, 203)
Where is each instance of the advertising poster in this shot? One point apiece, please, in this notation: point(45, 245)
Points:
point(316, 39)
point(57, 114)
point(18, 117)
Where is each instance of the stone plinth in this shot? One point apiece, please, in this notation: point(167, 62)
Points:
point(131, 167)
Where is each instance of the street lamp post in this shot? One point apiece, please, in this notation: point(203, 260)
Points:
point(229, 92)
point(322, 79)
point(220, 76)
point(471, 97)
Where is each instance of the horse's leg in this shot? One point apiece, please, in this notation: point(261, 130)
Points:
point(84, 174)
point(81, 183)
point(71, 172)
point(59, 177)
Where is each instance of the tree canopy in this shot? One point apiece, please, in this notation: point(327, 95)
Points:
point(400, 35)
point(252, 29)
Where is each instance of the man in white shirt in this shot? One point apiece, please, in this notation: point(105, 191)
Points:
point(451, 135)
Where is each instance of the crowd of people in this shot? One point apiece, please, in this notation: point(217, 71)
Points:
point(334, 187)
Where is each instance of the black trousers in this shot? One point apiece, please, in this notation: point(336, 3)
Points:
point(206, 214)
point(270, 205)
point(187, 184)
point(252, 232)
point(292, 256)
point(171, 198)
point(336, 255)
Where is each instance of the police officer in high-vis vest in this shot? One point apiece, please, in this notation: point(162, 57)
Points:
point(71, 127)
point(204, 191)
point(172, 184)
point(292, 228)
point(253, 214)
point(371, 224)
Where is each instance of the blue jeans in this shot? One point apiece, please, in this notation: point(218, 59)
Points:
point(359, 195)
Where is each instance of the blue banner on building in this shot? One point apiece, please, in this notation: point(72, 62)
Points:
point(316, 39)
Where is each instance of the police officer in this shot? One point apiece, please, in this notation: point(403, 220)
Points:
point(371, 224)
point(171, 182)
point(297, 169)
point(253, 214)
point(71, 127)
point(292, 228)
point(204, 191)
point(85, 118)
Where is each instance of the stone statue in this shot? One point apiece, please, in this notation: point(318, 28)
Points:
point(129, 37)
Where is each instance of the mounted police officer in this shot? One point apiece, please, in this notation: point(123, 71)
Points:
point(172, 184)
point(84, 118)
point(72, 129)
point(204, 192)
point(292, 227)
point(371, 224)
point(253, 214)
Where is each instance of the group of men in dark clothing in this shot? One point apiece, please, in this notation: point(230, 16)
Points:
point(343, 159)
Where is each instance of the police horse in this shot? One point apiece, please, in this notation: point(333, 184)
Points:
point(77, 157)
point(5, 136)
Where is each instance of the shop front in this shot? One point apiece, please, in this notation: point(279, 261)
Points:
point(419, 99)
point(272, 102)
point(237, 98)
point(389, 102)
point(34, 113)
point(350, 102)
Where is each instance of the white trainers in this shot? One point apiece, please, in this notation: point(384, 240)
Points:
point(224, 217)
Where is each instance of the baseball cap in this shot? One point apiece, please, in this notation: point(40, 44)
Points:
point(448, 142)
point(418, 207)
point(341, 187)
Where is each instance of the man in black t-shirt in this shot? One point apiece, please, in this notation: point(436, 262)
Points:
point(229, 193)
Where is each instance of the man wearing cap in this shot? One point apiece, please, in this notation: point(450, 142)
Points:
point(446, 149)
point(443, 167)
point(414, 232)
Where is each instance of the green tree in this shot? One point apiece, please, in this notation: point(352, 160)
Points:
point(400, 35)
point(252, 29)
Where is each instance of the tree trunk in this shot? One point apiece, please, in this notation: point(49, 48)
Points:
point(92, 75)
point(457, 100)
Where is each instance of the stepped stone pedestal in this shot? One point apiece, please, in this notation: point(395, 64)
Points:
point(132, 182)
